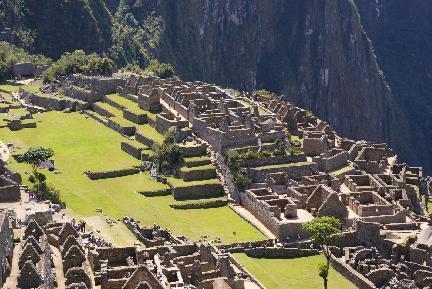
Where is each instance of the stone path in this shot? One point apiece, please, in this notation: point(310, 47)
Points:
point(58, 265)
point(245, 214)
point(11, 281)
point(4, 152)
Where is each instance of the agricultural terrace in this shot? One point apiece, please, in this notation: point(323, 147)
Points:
point(81, 144)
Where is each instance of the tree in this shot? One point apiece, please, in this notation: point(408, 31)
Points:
point(323, 230)
point(35, 156)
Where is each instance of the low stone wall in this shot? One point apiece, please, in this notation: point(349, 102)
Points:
point(197, 192)
point(83, 94)
point(244, 270)
point(296, 171)
point(50, 103)
point(228, 178)
point(103, 85)
point(200, 205)
point(124, 130)
point(276, 160)
point(111, 174)
point(158, 193)
point(143, 139)
point(140, 118)
point(276, 252)
point(193, 151)
point(101, 110)
point(164, 124)
point(131, 150)
point(352, 275)
point(197, 175)
point(241, 247)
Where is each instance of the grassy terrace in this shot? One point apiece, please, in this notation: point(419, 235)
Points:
point(127, 103)
point(144, 129)
point(283, 166)
point(9, 88)
point(292, 273)
point(82, 144)
point(179, 183)
point(148, 131)
point(34, 88)
point(199, 168)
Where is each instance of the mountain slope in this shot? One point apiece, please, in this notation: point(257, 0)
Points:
point(315, 52)
point(401, 32)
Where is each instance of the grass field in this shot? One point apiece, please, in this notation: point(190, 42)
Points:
point(298, 273)
point(82, 144)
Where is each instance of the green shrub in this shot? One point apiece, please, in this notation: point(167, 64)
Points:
point(242, 180)
point(79, 62)
point(169, 137)
point(162, 70)
point(263, 93)
point(295, 150)
point(168, 156)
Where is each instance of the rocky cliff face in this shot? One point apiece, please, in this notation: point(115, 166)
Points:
point(401, 35)
point(314, 52)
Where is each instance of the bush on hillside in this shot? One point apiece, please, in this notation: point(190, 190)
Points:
point(79, 62)
point(162, 70)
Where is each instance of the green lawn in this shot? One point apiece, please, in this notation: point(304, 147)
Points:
point(298, 273)
point(82, 144)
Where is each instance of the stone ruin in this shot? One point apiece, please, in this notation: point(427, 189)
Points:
point(374, 261)
point(36, 257)
point(165, 262)
point(9, 184)
point(283, 206)
point(6, 246)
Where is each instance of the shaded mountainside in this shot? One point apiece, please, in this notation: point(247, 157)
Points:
point(314, 52)
point(401, 33)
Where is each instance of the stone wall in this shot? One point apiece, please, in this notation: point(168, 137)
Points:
point(9, 190)
point(53, 103)
point(103, 85)
point(112, 173)
point(277, 252)
point(138, 118)
point(132, 150)
point(83, 94)
point(200, 205)
point(280, 228)
point(127, 130)
point(6, 247)
point(352, 275)
point(295, 171)
point(197, 192)
point(275, 160)
point(196, 175)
